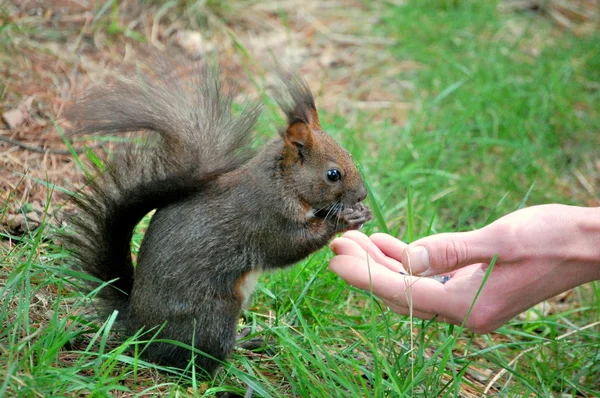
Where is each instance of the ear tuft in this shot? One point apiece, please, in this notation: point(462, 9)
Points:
point(298, 104)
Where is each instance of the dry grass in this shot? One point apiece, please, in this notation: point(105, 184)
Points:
point(57, 49)
point(52, 51)
point(579, 16)
point(62, 47)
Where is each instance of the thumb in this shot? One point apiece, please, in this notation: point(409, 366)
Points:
point(447, 252)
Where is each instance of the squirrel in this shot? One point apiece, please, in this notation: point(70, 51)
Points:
point(224, 213)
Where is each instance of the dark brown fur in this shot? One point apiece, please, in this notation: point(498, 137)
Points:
point(221, 210)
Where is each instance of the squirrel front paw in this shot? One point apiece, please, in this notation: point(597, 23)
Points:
point(354, 217)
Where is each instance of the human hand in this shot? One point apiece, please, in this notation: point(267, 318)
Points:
point(542, 251)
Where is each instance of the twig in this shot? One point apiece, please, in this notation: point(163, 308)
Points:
point(39, 149)
point(584, 182)
point(343, 38)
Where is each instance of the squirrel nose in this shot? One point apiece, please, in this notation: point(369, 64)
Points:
point(361, 194)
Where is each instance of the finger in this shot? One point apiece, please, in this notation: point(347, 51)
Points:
point(422, 315)
point(374, 251)
point(406, 310)
point(443, 253)
point(389, 245)
point(348, 247)
point(425, 295)
point(450, 310)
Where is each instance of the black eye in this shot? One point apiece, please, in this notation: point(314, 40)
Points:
point(334, 175)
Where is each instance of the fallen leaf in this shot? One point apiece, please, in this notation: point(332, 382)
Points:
point(191, 42)
point(14, 118)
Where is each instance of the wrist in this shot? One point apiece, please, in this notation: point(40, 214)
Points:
point(587, 245)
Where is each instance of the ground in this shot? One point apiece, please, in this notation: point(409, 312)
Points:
point(457, 112)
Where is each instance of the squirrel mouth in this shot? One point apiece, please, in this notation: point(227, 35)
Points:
point(323, 212)
point(328, 211)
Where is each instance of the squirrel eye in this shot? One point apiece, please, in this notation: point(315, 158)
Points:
point(334, 175)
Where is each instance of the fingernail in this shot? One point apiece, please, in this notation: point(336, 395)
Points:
point(418, 260)
point(332, 245)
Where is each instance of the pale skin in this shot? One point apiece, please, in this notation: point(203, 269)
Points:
point(541, 251)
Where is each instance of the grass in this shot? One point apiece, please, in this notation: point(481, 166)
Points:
point(504, 111)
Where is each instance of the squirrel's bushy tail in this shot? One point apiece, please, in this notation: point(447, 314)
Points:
point(192, 114)
point(199, 140)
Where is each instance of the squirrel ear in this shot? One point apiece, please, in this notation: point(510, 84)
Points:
point(300, 130)
point(299, 134)
point(299, 107)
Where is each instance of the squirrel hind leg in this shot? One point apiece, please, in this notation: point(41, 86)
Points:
point(211, 330)
point(258, 345)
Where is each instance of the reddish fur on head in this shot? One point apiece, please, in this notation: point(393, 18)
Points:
point(310, 153)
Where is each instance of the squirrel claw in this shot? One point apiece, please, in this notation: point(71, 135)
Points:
point(355, 217)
